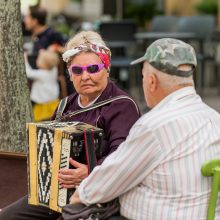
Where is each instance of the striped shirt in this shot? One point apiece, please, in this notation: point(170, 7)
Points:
point(156, 170)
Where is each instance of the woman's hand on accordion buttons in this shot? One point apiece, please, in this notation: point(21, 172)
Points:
point(70, 178)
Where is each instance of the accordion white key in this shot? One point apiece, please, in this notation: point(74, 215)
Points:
point(51, 144)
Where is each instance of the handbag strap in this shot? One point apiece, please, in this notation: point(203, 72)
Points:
point(96, 105)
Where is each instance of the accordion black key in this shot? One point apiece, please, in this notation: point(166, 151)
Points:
point(51, 144)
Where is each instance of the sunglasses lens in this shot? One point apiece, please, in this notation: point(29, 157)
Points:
point(93, 68)
point(77, 70)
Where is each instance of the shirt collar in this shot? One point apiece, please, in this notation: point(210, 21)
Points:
point(91, 103)
point(176, 95)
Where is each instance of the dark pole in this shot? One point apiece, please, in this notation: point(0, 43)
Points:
point(119, 9)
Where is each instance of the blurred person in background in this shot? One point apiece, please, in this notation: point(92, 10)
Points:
point(42, 35)
point(45, 87)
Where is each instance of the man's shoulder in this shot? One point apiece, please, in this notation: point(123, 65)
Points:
point(180, 114)
point(50, 32)
point(157, 118)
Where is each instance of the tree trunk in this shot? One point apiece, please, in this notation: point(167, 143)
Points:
point(15, 106)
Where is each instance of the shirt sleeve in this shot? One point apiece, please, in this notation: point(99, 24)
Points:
point(124, 169)
point(117, 120)
point(35, 74)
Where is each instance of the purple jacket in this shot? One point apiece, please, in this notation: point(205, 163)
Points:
point(115, 118)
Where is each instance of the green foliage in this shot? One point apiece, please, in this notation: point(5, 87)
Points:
point(64, 29)
point(207, 7)
point(141, 12)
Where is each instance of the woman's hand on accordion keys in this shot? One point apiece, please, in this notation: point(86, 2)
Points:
point(70, 178)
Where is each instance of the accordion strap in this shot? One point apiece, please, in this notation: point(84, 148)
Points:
point(90, 150)
point(99, 104)
point(61, 108)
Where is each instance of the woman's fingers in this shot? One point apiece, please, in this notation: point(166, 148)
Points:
point(66, 171)
point(70, 186)
point(69, 178)
point(65, 178)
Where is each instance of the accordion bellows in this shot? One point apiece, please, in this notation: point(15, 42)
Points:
point(51, 144)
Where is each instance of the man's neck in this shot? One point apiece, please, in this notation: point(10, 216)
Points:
point(165, 92)
point(38, 30)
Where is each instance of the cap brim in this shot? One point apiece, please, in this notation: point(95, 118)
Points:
point(139, 60)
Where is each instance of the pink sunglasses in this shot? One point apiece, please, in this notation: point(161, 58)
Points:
point(91, 69)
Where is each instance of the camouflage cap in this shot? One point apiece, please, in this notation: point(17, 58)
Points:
point(168, 54)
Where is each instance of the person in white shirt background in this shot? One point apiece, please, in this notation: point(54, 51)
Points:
point(45, 87)
point(155, 172)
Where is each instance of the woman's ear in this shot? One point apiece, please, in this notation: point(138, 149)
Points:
point(71, 77)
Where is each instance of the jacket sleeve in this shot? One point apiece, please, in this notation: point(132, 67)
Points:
point(117, 120)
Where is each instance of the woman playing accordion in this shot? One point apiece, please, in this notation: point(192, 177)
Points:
point(88, 62)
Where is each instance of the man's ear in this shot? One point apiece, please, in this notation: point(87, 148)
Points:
point(153, 80)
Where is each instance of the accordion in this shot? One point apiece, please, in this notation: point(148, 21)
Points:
point(51, 144)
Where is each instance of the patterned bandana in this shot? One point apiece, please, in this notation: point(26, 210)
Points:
point(102, 51)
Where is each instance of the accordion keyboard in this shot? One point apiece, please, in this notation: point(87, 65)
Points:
point(64, 163)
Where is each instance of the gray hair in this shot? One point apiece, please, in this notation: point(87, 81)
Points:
point(84, 37)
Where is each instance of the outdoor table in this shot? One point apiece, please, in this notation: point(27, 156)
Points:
point(185, 36)
point(157, 35)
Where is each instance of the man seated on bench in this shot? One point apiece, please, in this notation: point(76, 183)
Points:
point(155, 172)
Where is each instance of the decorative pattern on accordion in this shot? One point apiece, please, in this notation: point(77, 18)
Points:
point(51, 144)
point(45, 157)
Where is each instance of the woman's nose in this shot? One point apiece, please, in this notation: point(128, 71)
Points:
point(85, 75)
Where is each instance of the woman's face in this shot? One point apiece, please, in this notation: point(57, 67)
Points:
point(86, 84)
